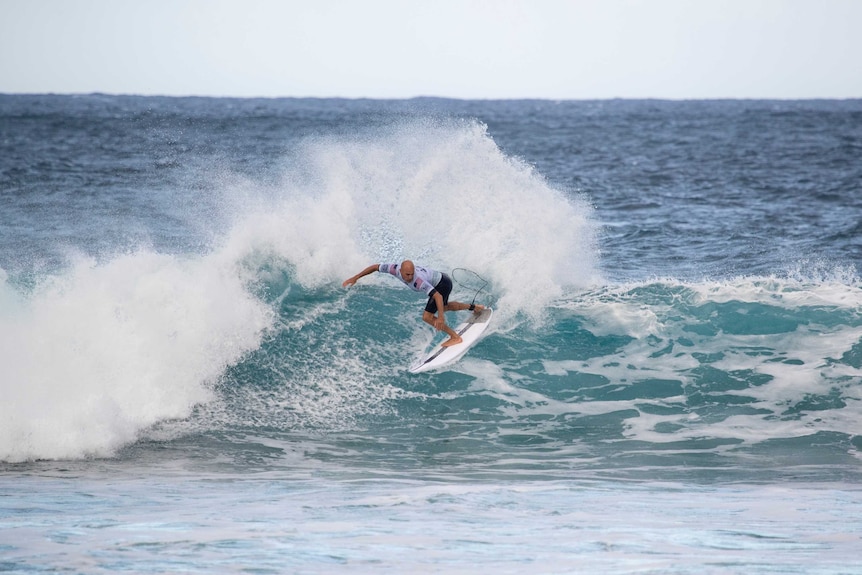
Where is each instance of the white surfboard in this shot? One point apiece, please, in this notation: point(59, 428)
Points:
point(470, 331)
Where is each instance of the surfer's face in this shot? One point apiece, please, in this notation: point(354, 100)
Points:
point(407, 270)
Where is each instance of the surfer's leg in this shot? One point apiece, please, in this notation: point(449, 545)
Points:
point(458, 306)
point(454, 338)
point(445, 288)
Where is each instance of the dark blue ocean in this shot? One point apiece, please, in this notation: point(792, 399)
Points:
point(672, 382)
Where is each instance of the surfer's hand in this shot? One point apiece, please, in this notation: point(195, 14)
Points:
point(348, 282)
point(439, 323)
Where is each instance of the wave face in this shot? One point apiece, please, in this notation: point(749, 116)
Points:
point(217, 316)
point(745, 376)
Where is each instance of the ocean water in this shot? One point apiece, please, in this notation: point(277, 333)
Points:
point(672, 382)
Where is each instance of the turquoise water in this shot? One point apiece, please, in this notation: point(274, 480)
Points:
point(670, 384)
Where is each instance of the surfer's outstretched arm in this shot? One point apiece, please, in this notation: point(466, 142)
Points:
point(367, 271)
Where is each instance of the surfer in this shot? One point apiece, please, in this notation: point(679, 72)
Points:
point(436, 285)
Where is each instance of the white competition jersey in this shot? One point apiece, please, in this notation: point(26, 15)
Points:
point(424, 279)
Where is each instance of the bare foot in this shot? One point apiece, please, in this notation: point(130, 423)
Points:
point(452, 341)
point(478, 309)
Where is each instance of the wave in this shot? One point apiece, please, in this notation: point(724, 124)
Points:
point(256, 335)
point(97, 354)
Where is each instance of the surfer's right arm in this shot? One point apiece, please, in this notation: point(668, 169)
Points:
point(367, 271)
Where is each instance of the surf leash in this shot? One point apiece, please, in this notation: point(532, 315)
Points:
point(469, 280)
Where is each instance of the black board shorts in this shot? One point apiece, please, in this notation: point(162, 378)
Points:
point(444, 288)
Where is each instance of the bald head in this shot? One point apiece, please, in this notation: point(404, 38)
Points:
point(407, 270)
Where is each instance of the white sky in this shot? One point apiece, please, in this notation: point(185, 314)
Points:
point(557, 49)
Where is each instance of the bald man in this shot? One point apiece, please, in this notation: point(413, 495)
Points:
point(436, 285)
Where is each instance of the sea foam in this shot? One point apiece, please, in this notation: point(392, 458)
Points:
point(98, 353)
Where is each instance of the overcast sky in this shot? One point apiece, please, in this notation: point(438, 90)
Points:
point(557, 49)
